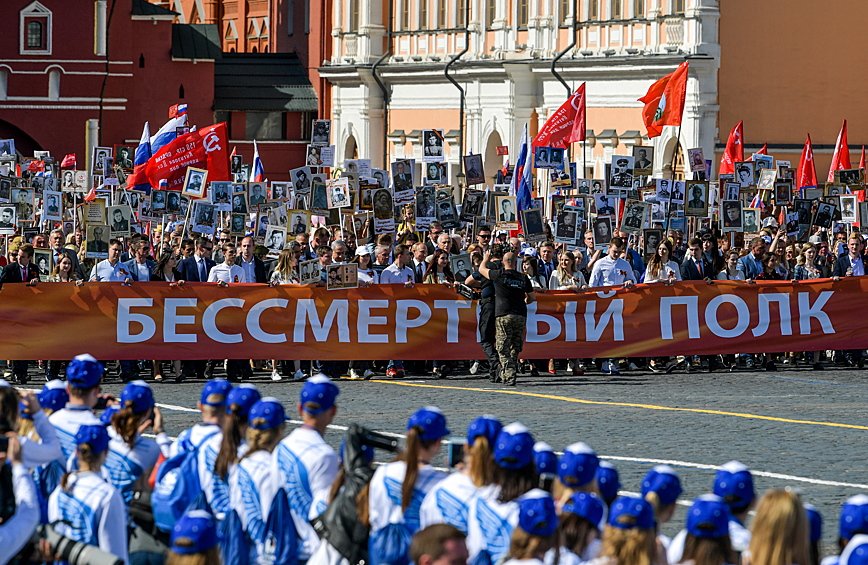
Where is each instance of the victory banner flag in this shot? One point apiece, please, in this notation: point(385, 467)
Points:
point(664, 102)
point(806, 175)
point(204, 148)
point(734, 150)
point(566, 125)
point(841, 157)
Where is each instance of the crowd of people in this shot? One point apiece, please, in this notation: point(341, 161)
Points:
point(234, 488)
point(423, 258)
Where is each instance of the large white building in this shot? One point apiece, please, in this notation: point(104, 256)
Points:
point(621, 48)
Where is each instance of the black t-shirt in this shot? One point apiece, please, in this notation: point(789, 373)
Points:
point(486, 286)
point(510, 288)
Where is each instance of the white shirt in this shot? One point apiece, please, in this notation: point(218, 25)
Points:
point(95, 510)
point(251, 489)
point(448, 502)
point(106, 272)
point(739, 539)
point(610, 272)
point(555, 284)
point(384, 496)
point(249, 268)
point(46, 449)
point(66, 423)
point(306, 466)
point(369, 276)
point(667, 270)
point(857, 266)
point(215, 488)
point(16, 532)
point(490, 524)
point(394, 275)
point(123, 466)
point(143, 272)
point(227, 274)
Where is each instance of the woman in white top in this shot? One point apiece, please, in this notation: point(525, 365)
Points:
point(285, 273)
point(449, 501)
point(661, 267)
point(251, 484)
point(438, 271)
point(85, 507)
point(391, 503)
point(537, 528)
point(731, 272)
point(567, 276)
point(367, 275)
point(530, 267)
point(580, 523)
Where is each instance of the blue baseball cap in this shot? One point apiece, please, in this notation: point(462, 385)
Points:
point(734, 484)
point(662, 480)
point(140, 394)
point(856, 552)
point(628, 512)
point(578, 465)
point(545, 459)
point(21, 411)
point(608, 481)
point(242, 398)
point(485, 425)
point(107, 414)
point(267, 413)
point(95, 436)
point(319, 390)
point(367, 451)
point(514, 447)
point(536, 513)
point(53, 395)
point(194, 532)
point(214, 392)
point(588, 506)
point(431, 421)
point(708, 517)
point(84, 371)
point(854, 516)
point(815, 521)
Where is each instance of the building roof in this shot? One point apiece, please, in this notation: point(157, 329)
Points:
point(144, 8)
point(264, 82)
point(195, 41)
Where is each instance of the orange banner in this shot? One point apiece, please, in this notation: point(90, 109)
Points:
point(204, 321)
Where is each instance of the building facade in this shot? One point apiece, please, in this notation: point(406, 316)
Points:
point(619, 49)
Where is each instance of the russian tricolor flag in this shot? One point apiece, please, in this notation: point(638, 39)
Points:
point(522, 177)
point(258, 170)
point(167, 133)
point(137, 179)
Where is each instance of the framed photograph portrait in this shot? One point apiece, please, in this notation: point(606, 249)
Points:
point(767, 179)
point(744, 173)
point(312, 156)
point(762, 162)
point(158, 203)
point(783, 192)
point(833, 189)
point(825, 214)
point(7, 147)
point(621, 176)
point(173, 202)
point(848, 208)
point(402, 175)
point(338, 192)
point(321, 133)
point(221, 196)
point(235, 162)
point(433, 174)
point(461, 265)
point(257, 193)
point(119, 218)
point(342, 276)
point(731, 191)
point(204, 217)
point(791, 223)
point(447, 215)
point(24, 198)
point(664, 190)
point(731, 216)
point(697, 161)
point(301, 180)
point(275, 240)
point(605, 205)
point(425, 204)
point(432, 145)
point(567, 226)
point(651, 240)
point(602, 229)
point(697, 199)
point(472, 205)
point(238, 225)
point(506, 212)
point(299, 222)
point(750, 218)
point(42, 258)
point(643, 160)
point(99, 155)
point(52, 206)
point(850, 177)
point(635, 213)
point(97, 241)
point(279, 191)
point(473, 171)
point(383, 204)
point(125, 157)
point(532, 224)
point(8, 219)
point(194, 182)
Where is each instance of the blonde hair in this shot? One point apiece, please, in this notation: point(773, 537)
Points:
point(258, 440)
point(209, 557)
point(528, 546)
point(780, 530)
point(562, 492)
point(481, 462)
point(635, 546)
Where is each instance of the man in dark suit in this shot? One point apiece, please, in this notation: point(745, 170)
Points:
point(850, 264)
point(21, 272)
point(251, 264)
point(197, 267)
point(141, 266)
point(695, 267)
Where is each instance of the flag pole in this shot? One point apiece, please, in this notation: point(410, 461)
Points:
point(672, 168)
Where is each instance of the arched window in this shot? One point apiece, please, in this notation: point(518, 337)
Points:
point(54, 85)
point(35, 35)
point(4, 87)
point(35, 30)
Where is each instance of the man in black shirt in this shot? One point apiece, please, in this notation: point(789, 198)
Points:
point(513, 292)
point(487, 331)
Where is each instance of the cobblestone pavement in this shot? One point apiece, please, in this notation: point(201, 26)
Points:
point(795, 427)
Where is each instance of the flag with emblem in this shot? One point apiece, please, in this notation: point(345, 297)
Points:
point(806, 175)
point(734, 150)
point(566, 125)
point(664, 102)
point(841, 157)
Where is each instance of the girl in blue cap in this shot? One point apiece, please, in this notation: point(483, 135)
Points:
point(494, 513)
point(580, 524)
point(221, 453)
point(577, 470)
point(661, 487)
point(390, 505)
point(132, 456)
point(629, 536)
point(194, 540)
point(252, 486)
point(707, 541)
point(779, 531)
point(449, 501)
point(85, 507)
point(536, 531)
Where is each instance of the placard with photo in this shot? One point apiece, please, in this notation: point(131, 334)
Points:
point(532, 225)
point(124, 157)
point(850, 177)
point(308, 272)
point(119, 218)
point(474, 201)
point(697, 161)
point(299, 222)
point(97, 241)
point(24, 198)
point(848, 208)
point(643, 160)
point(447, 215)
point(275, 240)
point(621, 176)
point(426, 210)
point(461, 265)
point(52, 206)
point(834, 189)
point(173, 202)
point(383, 204)
point(783, 192)
point(42, 258)
point(767, 179)
point(99, 155)
point(732, 191)
point(158, 203)
point(360, 167)
point(321, 133)
point(744, 173)
point(762, 162)
point(8, 219)
point(507, 218)
point(605, 205)
point(338, 192)
point(731, 216)
point(697, 199)
point(678, 192)
point(825, 215)
point(7, 147)
point(432, 145)
point(80, 180)
point(194, 182)
point(651, 239)
point(635, 213)
point(602, 229)
point(220, 195)
point(342, 276)
point(257, 194)
point(750, 220)
point(567, 226)
point(204, 217)
point(473, 171)
point(792, 223)
point(279, 191)
point(548, 158)
point(278, 216)
point(238, 225)
point(433, 174)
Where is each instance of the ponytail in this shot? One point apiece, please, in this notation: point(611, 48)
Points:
point(126, 424)
point(411, 458)
point(337, 484)
point(481, 462)
point(86, 456)
point(362, 508)
point(260, 439)
point(231, 440)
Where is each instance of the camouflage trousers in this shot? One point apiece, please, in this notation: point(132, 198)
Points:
point(509, 341)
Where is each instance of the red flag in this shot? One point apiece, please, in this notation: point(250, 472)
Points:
point(860, 194)
point(764, 150)
point(664, 102)
point(173, 111)
point(90, 195)
point(36, 166)
point(734, 150)
point(806, 175)
point(68, 161)
point(862, 159)
point(204, 148)
point(566, 125)
point(841, 157)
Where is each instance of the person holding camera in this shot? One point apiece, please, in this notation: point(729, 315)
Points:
point(18, 520)
point(85, 507)
point(487, 330)
point(37, 449)
point(513, 292)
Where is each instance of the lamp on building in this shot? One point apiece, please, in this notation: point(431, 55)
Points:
point(609, 52)
point(632, 51)
point(434, 58)
point(416, 57)
point(461, 177)
point(586, 53)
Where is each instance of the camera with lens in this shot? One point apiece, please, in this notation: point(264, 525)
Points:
point(468, 292)
point(74, 552)
point(380, 441)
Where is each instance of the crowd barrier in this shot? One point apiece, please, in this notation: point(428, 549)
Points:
point(204, 321)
